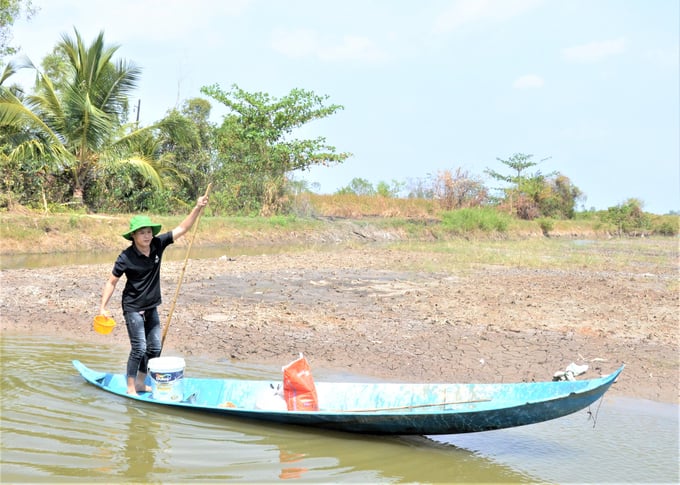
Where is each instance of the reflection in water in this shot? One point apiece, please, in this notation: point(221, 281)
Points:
point(140, 447)
point(287, 459)
point(55, 427)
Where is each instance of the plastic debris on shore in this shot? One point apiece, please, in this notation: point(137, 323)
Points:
point(570, 373)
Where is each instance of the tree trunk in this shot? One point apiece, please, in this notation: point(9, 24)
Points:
point(78, 197)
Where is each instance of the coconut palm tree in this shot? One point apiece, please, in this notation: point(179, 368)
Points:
point(78, 123)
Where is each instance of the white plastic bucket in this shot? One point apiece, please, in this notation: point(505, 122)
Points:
point(166, 378)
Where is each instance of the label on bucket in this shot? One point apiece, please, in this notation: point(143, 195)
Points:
point(166, 378)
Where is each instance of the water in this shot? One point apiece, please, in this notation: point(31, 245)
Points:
point(173, 253)
point(57, 428)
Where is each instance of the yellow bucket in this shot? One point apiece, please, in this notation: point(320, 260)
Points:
point(104, 324)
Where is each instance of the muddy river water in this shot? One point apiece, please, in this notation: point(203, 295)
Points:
point(57, 428)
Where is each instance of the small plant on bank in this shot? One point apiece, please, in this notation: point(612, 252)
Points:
point(281, 220)
point(546, 224)
point(475, 219)
point(667, 225)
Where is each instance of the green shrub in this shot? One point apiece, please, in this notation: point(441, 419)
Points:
point(475, 219)
point(546, 224)
point(668, 225)
point(281, 220)
point(628, 218)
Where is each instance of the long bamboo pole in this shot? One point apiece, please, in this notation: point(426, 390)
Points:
point(414, 406)
point(184, 267)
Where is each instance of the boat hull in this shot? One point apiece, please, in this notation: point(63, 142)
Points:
point(384, 408)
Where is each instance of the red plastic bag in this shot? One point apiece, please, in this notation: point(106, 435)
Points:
point(299, 390)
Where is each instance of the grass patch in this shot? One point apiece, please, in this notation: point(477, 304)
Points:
point(651, 255)
point(466, 221)
point(356, 206)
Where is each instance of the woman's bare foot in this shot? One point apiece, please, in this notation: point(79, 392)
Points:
point(140, 383)
point(135, 386)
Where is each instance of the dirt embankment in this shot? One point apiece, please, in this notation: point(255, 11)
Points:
point(365, 311)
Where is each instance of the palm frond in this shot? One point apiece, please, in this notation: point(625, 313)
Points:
point(145, 168)
point(14, 113)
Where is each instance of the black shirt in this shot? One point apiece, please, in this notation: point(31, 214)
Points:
point(143, 286)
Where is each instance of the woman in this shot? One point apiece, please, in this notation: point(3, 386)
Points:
point(141, 264)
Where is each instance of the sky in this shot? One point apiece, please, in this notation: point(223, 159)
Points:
point(589, 88)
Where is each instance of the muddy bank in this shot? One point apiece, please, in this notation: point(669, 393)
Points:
point(366, 311)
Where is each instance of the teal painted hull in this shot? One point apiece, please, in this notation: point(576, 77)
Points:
point(383, 408)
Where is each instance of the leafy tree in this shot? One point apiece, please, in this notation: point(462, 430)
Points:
point(57, 68)
point(357, 186)
point(389, 190)
point(525, 190)
point(256, 150)
point(559, 197)
point(519, 163)
point(168, 148)
point(76, 124)
point(628, 218)
point(26, 152)
point(188, 152)
point(10, 12)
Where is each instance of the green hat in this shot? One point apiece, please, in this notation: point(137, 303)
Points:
point(138, 222)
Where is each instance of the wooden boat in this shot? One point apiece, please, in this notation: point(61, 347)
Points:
point(384, 408)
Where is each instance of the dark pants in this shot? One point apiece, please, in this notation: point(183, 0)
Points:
point(144, 330)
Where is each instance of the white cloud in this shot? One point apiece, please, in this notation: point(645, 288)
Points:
point(528, 81)
point(308, 43)
point(468, 12)
point(595, 51)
